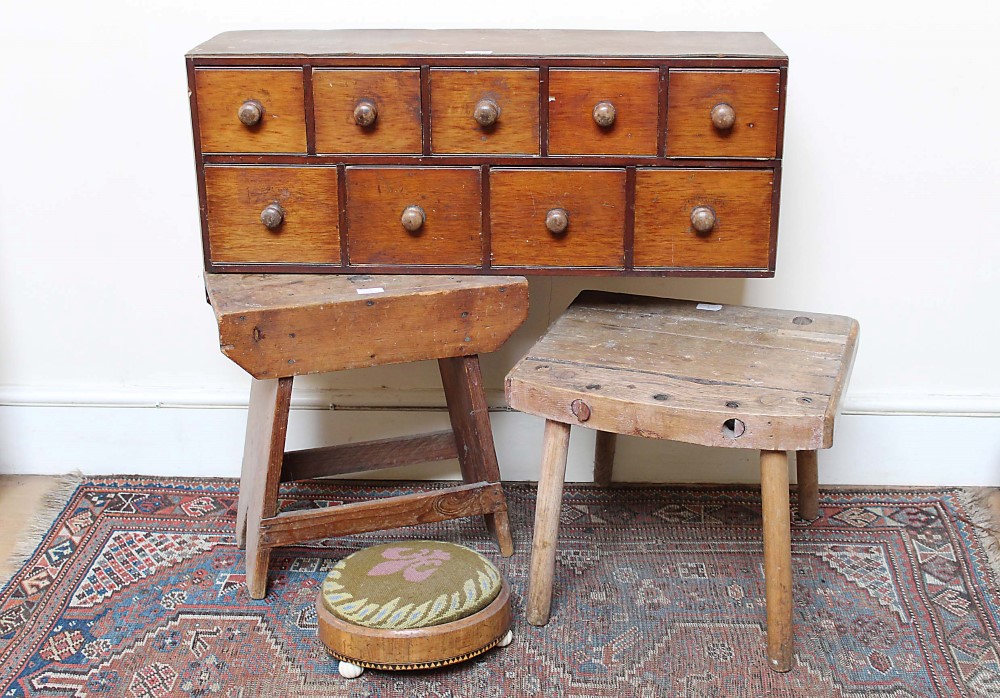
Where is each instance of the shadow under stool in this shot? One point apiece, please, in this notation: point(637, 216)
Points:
point(279, 326)
point(728, 376)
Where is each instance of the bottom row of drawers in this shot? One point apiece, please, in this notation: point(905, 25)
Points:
point(544, 218)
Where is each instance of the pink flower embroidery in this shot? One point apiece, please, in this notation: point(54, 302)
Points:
point(416, 565)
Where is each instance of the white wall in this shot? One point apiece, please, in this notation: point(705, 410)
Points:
point(890, 213)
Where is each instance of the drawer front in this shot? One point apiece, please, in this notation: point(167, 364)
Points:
point(441, 206)
point(735, 229)
point(306, 230)
point(509, 97)
point(525, 211)
point(251, 111)
point(583, 102)
point(722, 113)
point(367, 111)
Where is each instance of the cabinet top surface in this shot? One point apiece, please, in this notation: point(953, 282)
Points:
point(488, 42)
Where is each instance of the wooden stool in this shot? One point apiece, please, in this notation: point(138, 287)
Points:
point(705, 374)
point(284, 325)
point(414, 605)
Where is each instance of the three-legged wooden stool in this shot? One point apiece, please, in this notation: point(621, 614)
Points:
point(714, 375)
point(280, 326)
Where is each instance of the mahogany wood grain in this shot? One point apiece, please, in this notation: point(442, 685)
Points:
point(807, 471)
point(235, 197)
point(446, 504)
point(664, 369)
point(604, 457)
point(468, 410)
point(692, 95)
point(454, 94)
point(741, 200)
point(555, 448)
point(435, 645)
point(572, 97)
point(396, 95)
point(366, 456)
point(594, 200)
point(777, 557)
point(282, 127)
point(450, 197)
point(284, 325)
point(263, 450)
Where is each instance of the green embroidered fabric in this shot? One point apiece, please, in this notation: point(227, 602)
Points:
point(415, 584)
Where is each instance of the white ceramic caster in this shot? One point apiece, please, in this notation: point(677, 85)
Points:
point(350, 671)
point(506, 639)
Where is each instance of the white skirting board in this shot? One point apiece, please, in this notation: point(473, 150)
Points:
point(880, 440)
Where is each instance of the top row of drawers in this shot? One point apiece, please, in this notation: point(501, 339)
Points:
point(708, 113)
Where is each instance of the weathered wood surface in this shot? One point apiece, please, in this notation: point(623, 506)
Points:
point(665, 369)
point(555, 448)
point(572, 97)
point(468, 410)
point(777, 557)
point(267, 423)
point(459, 42)
point(382, 514)
point(604, 457)
point(436, 643)
point(807, 472)
point(366, 456)
point(285, 325)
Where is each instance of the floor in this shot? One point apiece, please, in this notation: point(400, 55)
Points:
point(21, 495)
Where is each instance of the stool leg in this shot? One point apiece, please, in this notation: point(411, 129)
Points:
point(807, 468)
point(555, 447)
point(263, 452)
point(604, 457)
point(777, 557)
point(462, 379)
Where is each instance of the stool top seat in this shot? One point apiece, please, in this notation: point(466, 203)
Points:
point(700, 373)
point(281, 325)
point(415, 584)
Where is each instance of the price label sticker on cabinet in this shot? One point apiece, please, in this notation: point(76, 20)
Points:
point(704, 306)
point(367, 291)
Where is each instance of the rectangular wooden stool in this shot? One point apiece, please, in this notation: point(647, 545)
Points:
point(280, 326)
point(728, 376)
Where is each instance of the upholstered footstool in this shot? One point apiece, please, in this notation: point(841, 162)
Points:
point(702, 373)
point(412, 605)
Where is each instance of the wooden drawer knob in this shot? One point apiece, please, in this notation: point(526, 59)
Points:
point(272, 216)
point(723, 116)
point(557, 220)
point(365, 113)
point(250, 112)
point(703, 219)
point(604, 114)
point(486, 112)
point(413, 218)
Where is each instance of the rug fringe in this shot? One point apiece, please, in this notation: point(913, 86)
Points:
point(49, 508)
point(982, 505)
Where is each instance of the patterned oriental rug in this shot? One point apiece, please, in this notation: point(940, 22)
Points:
point(137, 590)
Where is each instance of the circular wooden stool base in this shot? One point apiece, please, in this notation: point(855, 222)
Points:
point(420, 648)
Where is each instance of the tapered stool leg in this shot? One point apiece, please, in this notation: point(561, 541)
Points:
point(777, 557)
point(462, 379)
point(263, 452)
point(807, 469)
point(555, 447)
point(604, 457)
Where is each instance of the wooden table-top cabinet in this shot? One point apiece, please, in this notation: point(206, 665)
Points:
point(503, 151)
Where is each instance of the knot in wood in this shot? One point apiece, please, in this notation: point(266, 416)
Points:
point(580, 410)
